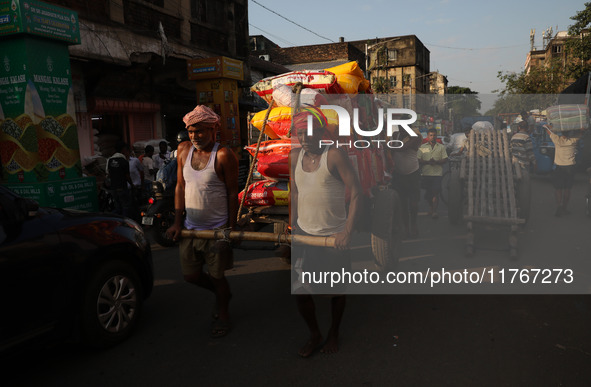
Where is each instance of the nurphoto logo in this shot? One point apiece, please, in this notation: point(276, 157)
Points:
point(394, 117)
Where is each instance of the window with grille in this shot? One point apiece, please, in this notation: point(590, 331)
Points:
point(393, 81)
point(392, 55)
point(406, 80)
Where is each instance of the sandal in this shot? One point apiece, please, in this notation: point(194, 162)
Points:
point(220, 328)
point(215, 312)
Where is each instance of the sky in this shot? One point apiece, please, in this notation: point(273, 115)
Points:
point(469, 41)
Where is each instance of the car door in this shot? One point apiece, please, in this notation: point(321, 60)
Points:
point(31, 287)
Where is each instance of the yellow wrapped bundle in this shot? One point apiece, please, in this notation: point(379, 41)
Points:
point(350, 77)
point(280, 121)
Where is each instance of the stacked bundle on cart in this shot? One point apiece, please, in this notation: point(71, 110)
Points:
point(318, 87)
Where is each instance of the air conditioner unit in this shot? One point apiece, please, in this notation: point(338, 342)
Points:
point(265, 57)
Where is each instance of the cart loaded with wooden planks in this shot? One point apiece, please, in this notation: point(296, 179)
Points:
point(489, 187)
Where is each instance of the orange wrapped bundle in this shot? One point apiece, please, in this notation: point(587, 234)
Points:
point(350, 77)
point(279, 121)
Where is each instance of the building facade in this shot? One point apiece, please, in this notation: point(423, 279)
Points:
point(554, 49)
point(130, 70)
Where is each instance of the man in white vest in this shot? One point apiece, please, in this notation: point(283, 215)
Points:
point(206, 198)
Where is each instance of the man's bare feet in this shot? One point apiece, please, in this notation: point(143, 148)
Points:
point(332, 344)
point(310, 346)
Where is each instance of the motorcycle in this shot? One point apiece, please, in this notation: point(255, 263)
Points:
point(159, 215)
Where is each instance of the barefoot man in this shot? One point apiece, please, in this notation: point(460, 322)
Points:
point(319, 178)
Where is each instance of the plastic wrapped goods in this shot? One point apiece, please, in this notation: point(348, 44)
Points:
point(274, 166)
point(284, 96)
point(351, 68)
point(266, 193)
point(482, 125)
point(349, 77)
point(565, 118)
point(312, 79)
point(280, 147)
point(279, 121)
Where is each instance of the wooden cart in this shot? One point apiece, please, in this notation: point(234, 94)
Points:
point(489, 187)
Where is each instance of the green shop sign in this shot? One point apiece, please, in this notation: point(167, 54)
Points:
point(77, 194)
point(38, 18)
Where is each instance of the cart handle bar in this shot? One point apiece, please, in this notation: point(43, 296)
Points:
point(318, 241)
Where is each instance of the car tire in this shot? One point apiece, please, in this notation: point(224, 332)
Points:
point(112, 305)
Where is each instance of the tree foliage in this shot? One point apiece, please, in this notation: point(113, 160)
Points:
point(536, 89)
point(547, 79)
point(463, 101)
point(554, 74)
point(580, 46)
point(380, 85)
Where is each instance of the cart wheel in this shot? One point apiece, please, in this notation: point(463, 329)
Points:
point(386, 229)
point(523, 195)
point(455, 198)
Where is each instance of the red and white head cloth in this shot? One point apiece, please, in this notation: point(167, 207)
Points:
point(202, 115)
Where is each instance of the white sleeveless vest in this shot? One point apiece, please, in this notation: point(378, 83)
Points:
point(206, 197)
point(321, 199)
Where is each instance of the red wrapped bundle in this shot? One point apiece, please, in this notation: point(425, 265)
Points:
point(266, 193)
point(273, 166)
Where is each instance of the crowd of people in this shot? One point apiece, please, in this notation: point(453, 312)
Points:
point(130, 178)
point(206, 198)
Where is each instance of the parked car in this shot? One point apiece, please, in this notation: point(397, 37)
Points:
point(69, 274)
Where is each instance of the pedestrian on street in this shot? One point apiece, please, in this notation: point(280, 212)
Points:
point(432, 156)
point(406, 179)
point(522, 147)
point(319, 178)
point(457, 142)
point(565, 148)
point(120, 179)
point(136, 172)
point(529, 120)
point(149, 169)
point(162, 157)
point(206, 198)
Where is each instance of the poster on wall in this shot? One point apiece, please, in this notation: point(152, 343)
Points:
point(38, 137)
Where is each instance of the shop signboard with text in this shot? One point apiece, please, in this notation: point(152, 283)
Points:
point(38, 133)
point(217, 88)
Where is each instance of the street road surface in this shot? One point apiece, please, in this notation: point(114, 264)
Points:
point(419, 340)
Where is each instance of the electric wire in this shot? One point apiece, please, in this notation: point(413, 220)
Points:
point(291, 21)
